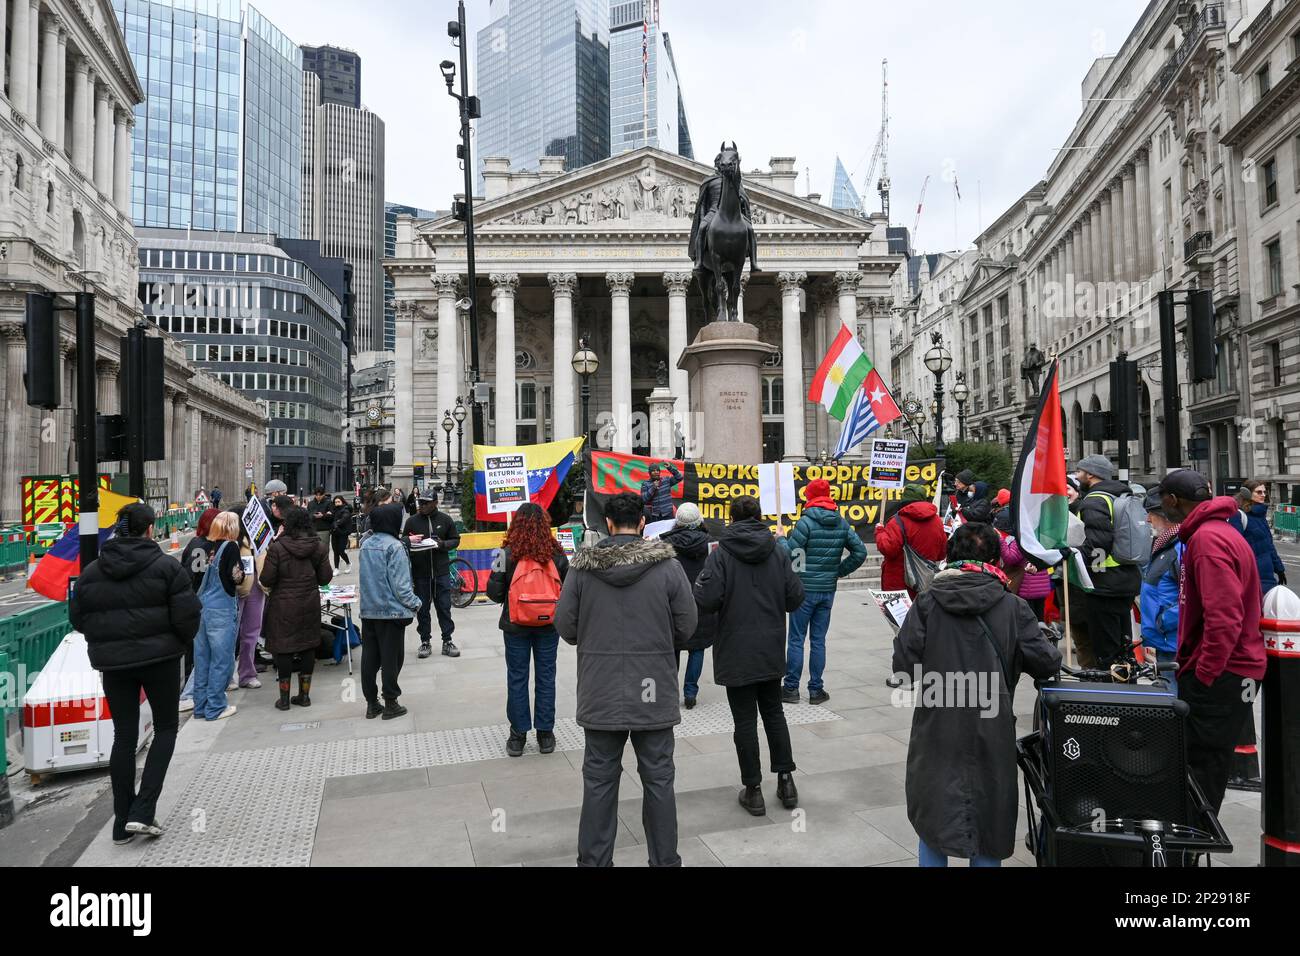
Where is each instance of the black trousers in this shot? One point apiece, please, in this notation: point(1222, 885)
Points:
point(340, 542)
point(1213, 727)
point(306, 664)
point(434, 594)
point(602, 768)
point(383, 648)
point(161, 683)
point(1103, 624)
point(747, 703)
point(1038, 606)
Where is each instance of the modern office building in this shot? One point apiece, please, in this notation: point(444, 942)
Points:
point(266, 317)
point(339, 72)
point(843, 196)
point(343, 199)
point(645, 101)
point(218, 140)
point(391, 211)
point(543, 79)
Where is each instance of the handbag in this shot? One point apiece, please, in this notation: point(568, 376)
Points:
point(918, 572)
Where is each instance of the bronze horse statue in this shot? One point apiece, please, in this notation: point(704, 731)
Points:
point(722, 237)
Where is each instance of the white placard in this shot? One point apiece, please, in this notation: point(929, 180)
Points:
point(505, 479)
point(257, 525)
point(894, 605)
point(776, 494)
point(888, 463)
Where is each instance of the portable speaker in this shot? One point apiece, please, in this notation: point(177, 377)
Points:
point(1113, 751)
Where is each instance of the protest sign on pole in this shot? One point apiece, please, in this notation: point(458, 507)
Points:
point(257, 525)
point(776, 494)
point(506, 480)
point(888, 463)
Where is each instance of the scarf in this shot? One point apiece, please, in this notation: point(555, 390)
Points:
point(979, 567)
point(1163, 539)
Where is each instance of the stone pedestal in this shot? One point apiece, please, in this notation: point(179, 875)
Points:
point(662, 438)
point(726, 392)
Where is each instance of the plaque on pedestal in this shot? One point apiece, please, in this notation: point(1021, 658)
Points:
point(724, 365)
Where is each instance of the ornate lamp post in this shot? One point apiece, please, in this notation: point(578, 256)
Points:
point(433, 458)
point(448, 426)
point(585, 364)
point(961, 392)
point(938, 360)
point(460, 413)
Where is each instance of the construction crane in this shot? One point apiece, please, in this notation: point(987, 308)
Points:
point(882, 186)
point(919, 203)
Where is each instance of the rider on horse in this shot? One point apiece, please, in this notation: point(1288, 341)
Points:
point(706, 206)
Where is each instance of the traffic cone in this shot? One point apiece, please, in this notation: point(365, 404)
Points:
point(176, 541)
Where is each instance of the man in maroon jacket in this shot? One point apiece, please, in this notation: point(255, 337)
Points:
point(1221, 656)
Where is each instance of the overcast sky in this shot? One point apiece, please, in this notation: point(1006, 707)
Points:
point(988, 90)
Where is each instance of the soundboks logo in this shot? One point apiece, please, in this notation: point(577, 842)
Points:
point(1091, 719)
point(77, 909)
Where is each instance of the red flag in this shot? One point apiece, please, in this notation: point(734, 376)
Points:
point(883, 405)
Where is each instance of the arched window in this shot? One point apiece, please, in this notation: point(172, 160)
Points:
point(79, 239)
point(49, 199)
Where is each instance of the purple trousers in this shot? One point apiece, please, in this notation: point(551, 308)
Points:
point(250, 629)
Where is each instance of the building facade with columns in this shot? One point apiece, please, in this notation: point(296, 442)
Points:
point(65, 161)
point(600, 253)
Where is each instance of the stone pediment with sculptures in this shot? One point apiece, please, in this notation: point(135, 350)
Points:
point(647, 197)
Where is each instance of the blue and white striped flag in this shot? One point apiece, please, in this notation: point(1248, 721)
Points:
point(859, 423)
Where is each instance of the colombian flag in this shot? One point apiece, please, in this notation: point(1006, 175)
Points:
point(63, 561)
point(547, 466)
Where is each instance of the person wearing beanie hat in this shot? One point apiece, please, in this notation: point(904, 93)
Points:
point(1101, 620)
point(691, 542)
point(820, 536)
point(969, 488)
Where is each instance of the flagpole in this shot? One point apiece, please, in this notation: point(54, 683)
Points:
point(1069, 635)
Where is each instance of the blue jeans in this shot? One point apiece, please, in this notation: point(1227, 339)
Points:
point(694, 666)
point(813, 619)
point(541, 646)
point(929, 857)
point(214, 660)
point(1165, 657)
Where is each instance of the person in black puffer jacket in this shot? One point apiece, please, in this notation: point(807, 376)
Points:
point(139, 616)
point(751, 585)
point(691, 542)
point(341, 532)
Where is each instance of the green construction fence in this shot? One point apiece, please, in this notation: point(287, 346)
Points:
point(27, 639)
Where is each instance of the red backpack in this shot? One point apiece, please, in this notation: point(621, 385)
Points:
point(534, 592)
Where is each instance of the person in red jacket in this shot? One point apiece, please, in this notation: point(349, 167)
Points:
point(925, 535)
point(1221, 657)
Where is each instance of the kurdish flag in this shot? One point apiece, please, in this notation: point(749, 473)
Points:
point(63, 561)
point(841, 374)
point(547, 467)
point(1042, 513)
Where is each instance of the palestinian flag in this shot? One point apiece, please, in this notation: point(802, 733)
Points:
point(1042, 513)
point(841, 374)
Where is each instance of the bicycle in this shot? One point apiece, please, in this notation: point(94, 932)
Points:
point(464, 582)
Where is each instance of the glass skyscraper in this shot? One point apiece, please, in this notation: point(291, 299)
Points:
point(649, 113)
point(218, 140)
point(543, 78)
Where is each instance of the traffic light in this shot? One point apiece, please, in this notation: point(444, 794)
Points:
point(372, 454)
point(43, 375)
point(1201, 349)
point(458, 210)
point(1124, 399)
point(140, 390)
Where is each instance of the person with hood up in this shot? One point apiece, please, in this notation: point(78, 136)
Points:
point(627, 606)
point(1221, 656)
point(1251, 520)
point(1101, 620)
point(388, 605)
point(691, 542)
point(816, 546)
point(751, 585)
point(969, 488)
point(918, 521)
point(139, 614)
point(961, 759)
point(297, 564)
point(1160, 580)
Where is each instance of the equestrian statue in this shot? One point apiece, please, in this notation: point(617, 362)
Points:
point(722, 237)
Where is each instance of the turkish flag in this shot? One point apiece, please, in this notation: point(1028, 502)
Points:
point(883, 405)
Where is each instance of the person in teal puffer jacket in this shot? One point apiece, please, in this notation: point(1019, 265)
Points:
point(1159, 598)
point(817, 545)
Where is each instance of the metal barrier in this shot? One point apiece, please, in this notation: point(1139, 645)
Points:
point(27, 640)
point(1286, 518)
point(13, 550)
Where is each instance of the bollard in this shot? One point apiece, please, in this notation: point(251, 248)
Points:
point(1280, 843)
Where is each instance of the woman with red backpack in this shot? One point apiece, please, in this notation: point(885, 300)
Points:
point(526, 581)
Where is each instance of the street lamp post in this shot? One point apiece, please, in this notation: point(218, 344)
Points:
point(585, 364)
point(459, 414)
point(470, 109)
point(448, 426)
point(433, 458)
point(961, 392)
point(938, 360)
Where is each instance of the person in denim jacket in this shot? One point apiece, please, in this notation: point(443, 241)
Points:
point(388, 605)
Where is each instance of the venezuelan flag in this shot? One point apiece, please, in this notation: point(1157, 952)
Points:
point(63, 561)
point(547, 467)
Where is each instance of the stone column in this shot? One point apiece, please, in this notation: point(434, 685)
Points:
point(15, 444)
point(4, 47)
point(620, 347)
point(846, 291)
point(792, 364)
point(122, 162)
point(103, 141)
point(1117, 230)
point(563, 403)
point(1143, 182)
point(447, 286)
point(21, 56)
point(178, 450)
point(404, 444)
point(679, 380)
point(504, 286)
point(33, 60)
point(60, 134)
point(1068, 259)
point(49, 88)
point(1105, 273)
point(81, 105)
point(1085, 248)
point(1130, 224)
